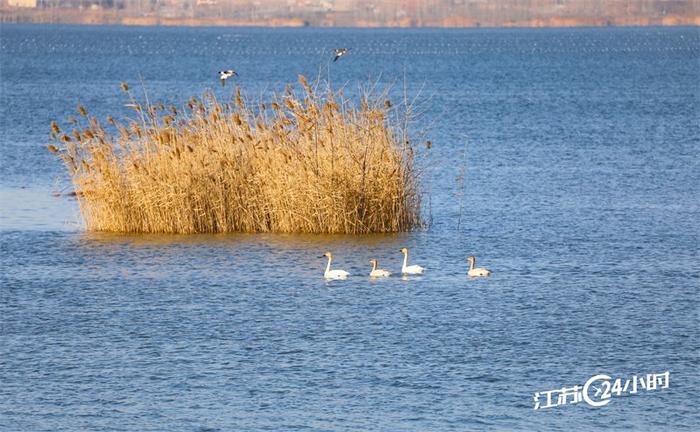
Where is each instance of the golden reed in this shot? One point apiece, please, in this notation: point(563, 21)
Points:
point(308, 162)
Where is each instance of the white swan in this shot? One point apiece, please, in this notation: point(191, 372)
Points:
point(407, 269)
point(476, 272)
point(333, 274)
point(377, 272)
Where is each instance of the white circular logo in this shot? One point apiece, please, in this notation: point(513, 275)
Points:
point(602, 402)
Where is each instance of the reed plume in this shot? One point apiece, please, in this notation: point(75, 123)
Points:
point(305, 162)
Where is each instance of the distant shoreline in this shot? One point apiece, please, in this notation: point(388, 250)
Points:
point(111, 17)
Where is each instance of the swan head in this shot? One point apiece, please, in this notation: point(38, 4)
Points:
point(373, 261)
point(327, 255)
point(471, 258)
point(404, 250)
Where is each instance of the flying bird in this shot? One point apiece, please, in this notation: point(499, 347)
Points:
point(226, 74)
point(340, 52)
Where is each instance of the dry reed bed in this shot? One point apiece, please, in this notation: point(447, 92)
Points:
point(308, 162)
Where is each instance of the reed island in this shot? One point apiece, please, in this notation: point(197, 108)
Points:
point(307, 161)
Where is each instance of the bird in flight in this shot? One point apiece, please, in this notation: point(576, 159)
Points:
point(340, 52)
point(226, 74)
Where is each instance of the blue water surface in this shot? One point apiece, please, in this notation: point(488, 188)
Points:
point(566, 160)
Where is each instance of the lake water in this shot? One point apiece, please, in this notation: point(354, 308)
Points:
point(580, 154)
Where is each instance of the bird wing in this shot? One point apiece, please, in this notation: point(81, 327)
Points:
point(223, 82)
point(337, 56)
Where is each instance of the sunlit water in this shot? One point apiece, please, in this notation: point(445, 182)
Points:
point(580, 154)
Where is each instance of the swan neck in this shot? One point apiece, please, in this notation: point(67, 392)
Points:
point(471, 264)
point(405, 259)
point(328, 266)
point(374, 265)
